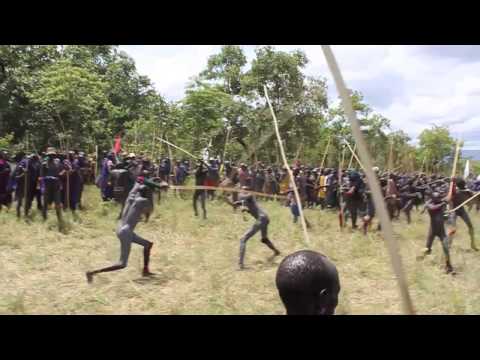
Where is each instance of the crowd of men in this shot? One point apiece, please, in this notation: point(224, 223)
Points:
point(59, 178)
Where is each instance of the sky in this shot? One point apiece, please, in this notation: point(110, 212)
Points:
point(415, 86)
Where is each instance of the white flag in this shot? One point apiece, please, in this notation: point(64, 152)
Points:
point(467, 169)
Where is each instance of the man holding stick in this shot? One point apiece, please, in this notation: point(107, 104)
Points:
point(249, 204)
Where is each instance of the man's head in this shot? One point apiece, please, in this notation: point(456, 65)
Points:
point(460, 183)
point(144, 190)
point(308, 284)
point(436, 197)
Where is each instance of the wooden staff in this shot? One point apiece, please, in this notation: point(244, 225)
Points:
point(451, 231)
point(96, 164)
point(454, 171)
point(323, 159)
point(353, 154)
point(153, 142)
point(178, 148)
point(25, 175)
point(285, 163)
point(225, 148)
point(326, 153)
point(464, 203)
point(227, 189)
point(340, 178)
point(390, 157)
point(372, 180)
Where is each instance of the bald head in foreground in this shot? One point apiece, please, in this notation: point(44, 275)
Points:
point(308, 284)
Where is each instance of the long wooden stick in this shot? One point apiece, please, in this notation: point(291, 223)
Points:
point(178, 148)
point(227, 138)
point(326, 152)
point(340, 180)
point(353, 154)
point(285, 163)
point(96, 164)
point(464, 203)
point(390, 157)
point(226, 189)
point(387, 229)
point(454, 171)
point(323, 159)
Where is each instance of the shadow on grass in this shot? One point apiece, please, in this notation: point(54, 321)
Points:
point(153, 280)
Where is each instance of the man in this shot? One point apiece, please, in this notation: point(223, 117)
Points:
point(249, 204)
point(201, 174)
point(436, 208)
point(354, 196)
point(331, 186)
point(213, 176)
point(33, 186)
point(5, 170)
point(105, 184)
point(50, 184)
point(71, 182)
point(137, 205)
point(308, 284)
point(20, 179)
point(243, 175)
point(459, 195)
point(84, 176)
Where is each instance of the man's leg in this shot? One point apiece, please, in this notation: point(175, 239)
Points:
point(196, 194)
point(243, 242)
point(353, 207)
point(428, 246)
point(466, 219)
point(147, 247)
point(445, 247)
point(45, 205)
point(265, 240)
point(19, 203)
point(202, 203)
point(58, 207)
point(38, 198)
point(125, 236)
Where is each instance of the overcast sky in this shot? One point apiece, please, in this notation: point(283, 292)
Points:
point(414, 86)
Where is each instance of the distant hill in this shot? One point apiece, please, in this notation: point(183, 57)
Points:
point(471, 154)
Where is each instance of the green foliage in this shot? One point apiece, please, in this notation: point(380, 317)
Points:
point(226, 66)
point(82, 95)
point(436, 145)
point(6, 142)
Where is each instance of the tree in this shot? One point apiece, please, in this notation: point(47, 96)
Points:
point(436, 145)
point(19, 64)
point(279, 71)
point(227, 67)
point(72, 102)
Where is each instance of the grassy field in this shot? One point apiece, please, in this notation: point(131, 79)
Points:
point(42, 271)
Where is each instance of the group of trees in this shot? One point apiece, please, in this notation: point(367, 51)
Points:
point(78, 96)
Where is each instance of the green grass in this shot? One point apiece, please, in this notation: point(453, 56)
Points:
point(42, 270)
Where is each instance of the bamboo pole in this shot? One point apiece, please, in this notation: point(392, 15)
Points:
point(353, 154)
point(225, 148)
point(387, 229)
point(464, 203)
point(454, 171)
point(178, 148)
point(285, 163)
point(326, 152)
point(390, 157)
